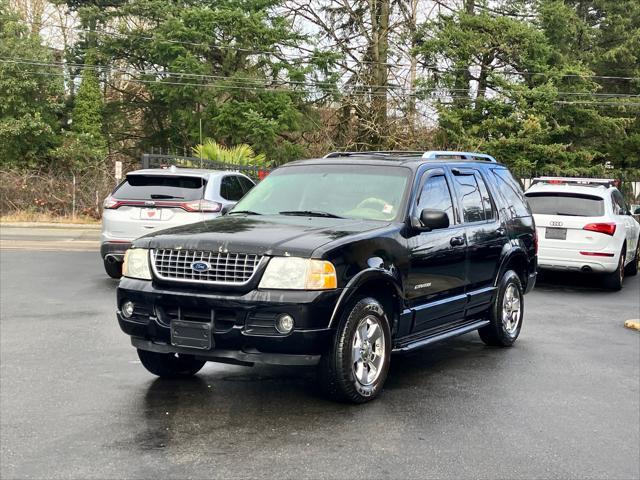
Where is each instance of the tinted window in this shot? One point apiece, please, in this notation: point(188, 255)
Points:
point(435, 194)
point(511, 191)
point(246, 184)
point(487, 204)
point(472, 210)
point(352, 191)
point(562, 203)
point(618, 203)
point(230, 188)
point(160, 187)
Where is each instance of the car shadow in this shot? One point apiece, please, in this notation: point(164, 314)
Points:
point(569, 281)
point(238, 402)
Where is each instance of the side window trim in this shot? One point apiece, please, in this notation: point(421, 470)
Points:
point(425, 175)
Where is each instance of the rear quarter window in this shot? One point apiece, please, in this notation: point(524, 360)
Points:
point(160, 187)
point(511, 192)
point(565, 203)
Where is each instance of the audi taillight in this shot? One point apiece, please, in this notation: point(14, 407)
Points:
point(201, 206)
point(608, 228)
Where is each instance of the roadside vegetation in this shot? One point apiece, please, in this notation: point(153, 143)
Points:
point(546, 86)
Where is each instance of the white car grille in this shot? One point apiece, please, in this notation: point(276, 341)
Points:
point(221, 268)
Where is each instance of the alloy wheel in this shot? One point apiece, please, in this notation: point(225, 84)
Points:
point(368, 351)
point(511, 309)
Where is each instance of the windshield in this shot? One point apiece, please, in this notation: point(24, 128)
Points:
point(351, 191)
point(160, 187)
point(573, 204)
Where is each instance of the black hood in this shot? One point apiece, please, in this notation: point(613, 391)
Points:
point(262, 235)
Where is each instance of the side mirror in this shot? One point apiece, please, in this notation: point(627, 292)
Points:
point(432, 220)
point(225, 209)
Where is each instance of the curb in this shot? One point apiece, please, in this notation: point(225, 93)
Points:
point(83, 226)
point(632, 324)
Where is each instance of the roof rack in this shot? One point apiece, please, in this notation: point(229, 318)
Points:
point(453, 155)
point(430, 155)
point(374, 152)
point(585, 182)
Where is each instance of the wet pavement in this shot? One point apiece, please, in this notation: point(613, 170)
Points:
point(76, 403)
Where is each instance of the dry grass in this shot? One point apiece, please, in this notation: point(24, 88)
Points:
point(26, 216)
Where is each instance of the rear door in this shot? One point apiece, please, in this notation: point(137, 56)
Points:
point(153, 202)
point(436, 281)
point(485, 236)
point(621, 212)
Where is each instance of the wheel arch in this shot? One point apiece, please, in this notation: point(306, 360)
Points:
point(377, 283)
point(517, 261)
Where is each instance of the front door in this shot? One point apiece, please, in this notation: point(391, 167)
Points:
point(435, 286)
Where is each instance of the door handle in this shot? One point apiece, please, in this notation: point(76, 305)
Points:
point(456, 241)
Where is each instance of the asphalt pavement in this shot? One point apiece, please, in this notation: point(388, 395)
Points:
point(76, 403)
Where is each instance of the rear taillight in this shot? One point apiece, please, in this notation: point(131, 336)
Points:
point(110, 203)
point(608, 228)
point(201, 206)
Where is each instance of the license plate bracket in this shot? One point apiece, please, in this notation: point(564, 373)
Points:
point(555, 233)
point(196, 335)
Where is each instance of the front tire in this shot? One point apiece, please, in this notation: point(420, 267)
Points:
point(113, 269)
point(356, 367)
point(506, 314)
point(613, 281)
point(170, 365)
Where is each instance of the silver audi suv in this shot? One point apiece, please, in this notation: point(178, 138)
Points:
point(154, 199)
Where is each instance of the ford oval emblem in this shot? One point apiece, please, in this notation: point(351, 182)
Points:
point(200, 266)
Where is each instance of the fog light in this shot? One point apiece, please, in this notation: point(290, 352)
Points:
point(127, 309)
point(284, 324)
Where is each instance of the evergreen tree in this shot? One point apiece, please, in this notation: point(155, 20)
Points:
point(86, 118)
point(30, 103)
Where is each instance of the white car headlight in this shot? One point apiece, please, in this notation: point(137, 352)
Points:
point(292, 273)
point(136, 264)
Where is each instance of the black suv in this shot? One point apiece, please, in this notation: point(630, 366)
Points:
point(339, 262)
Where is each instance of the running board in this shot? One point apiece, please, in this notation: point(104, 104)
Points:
point(422, 342)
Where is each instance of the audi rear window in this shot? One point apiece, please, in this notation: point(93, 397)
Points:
point(562, 203)
point(160, 187)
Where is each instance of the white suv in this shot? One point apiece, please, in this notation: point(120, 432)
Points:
point(155, 199)
point(584, 225)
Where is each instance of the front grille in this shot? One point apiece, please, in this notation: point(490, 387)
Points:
point(224, 268)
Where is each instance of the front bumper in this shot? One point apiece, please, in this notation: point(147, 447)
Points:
point(114, 249)
point(243, 323)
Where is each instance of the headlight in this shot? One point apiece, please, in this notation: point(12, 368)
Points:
point(291, 273)
point(136, 264)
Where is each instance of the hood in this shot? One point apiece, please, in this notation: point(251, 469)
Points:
point(261, 235)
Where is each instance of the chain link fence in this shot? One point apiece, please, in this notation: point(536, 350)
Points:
point(67, 194)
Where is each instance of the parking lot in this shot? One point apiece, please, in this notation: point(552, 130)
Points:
point(75, 402)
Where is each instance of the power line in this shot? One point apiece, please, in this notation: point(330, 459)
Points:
point(244, 81)
point(434, 68)
point(449, 98)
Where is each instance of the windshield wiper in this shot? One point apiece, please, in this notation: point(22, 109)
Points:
point(245, 212)
point(310, 213)
point(161, 195)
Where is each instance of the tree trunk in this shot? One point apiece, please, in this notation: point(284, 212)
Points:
point(380, 10)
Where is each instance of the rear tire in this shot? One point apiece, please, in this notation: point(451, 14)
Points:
point(506, 313)
point(613, 281)
point(170, 365)
point(113, 269)
point(356, 367)
point(632, 268)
